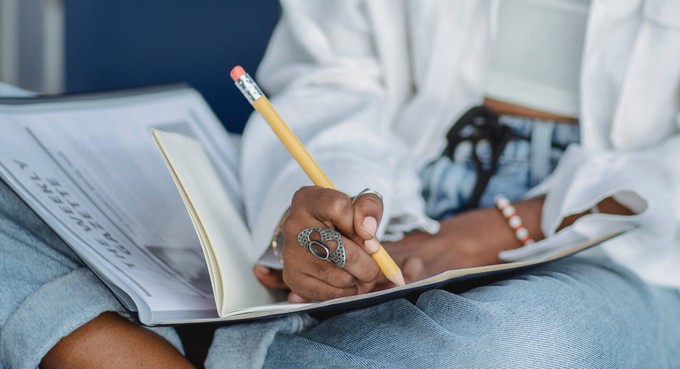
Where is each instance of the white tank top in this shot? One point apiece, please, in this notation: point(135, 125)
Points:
point(536, 54)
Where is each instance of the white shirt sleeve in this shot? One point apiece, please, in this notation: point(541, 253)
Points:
point(630, 122)
point(324, 77)
point(646, 181)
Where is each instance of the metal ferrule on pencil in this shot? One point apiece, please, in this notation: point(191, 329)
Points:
point(249, 88)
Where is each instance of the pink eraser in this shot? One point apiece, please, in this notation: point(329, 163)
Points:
point(237, 72)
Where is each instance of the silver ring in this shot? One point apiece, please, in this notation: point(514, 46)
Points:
point(320, 249)
point(367, 191)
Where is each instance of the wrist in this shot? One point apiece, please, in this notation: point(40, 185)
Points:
point(530, 210)
point(514, 220)
point(471, 239)
point(606, 206)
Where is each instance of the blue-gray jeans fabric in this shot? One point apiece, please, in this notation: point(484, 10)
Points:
point(574, 313)
point(448, 184)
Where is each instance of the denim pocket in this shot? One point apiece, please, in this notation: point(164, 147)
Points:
point(449, 182)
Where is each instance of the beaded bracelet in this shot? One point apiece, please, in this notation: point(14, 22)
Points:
point(514, 220)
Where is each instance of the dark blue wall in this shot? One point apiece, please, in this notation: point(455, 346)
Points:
point(131, 43)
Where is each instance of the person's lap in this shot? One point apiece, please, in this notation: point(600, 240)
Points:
point(575, 313)
point(578, 312)
point(568, 311)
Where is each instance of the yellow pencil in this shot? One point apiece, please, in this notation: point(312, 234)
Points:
point(256, 97)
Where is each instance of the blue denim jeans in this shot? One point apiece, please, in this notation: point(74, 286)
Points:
point(448, 183)
point(575, 313)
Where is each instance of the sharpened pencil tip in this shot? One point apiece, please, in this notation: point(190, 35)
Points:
point(397, 278)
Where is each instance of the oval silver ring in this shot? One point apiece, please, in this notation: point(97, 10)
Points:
point(320, 249)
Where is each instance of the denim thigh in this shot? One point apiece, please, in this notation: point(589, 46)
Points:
point(573, 313)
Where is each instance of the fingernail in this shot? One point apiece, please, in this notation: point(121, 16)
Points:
point(372, 245)
point(262, 269)
point(370, 225)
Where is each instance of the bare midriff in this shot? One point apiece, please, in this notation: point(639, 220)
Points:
point(504, 108)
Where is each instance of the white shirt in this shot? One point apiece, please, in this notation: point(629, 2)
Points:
point(372, 86)
point(535, 58)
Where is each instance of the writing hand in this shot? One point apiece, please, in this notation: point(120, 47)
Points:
point(312, 278)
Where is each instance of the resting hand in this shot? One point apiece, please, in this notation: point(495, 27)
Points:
point(470, 239)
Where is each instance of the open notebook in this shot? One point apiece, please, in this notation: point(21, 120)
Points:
point(158, 217)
